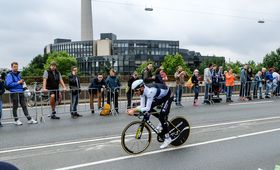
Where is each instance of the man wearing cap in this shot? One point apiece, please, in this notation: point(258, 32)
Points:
point(51, 80)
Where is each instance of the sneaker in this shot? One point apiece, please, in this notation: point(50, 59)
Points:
point(179, 104)
point(55, 117)
point(1, 124)
point(18, 123)
point(32, 121)
point(159, 127)
point(73, 116)
point(166, 142)
point(267, 97)
point(92, 112)
point(100, 108)
point(78, 115)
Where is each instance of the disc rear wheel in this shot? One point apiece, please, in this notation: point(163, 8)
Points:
point(179, 131)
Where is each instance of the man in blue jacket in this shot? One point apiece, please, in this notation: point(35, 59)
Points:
point(2, 91)
point(14, 82)
point(113, 85)
point(269, 80)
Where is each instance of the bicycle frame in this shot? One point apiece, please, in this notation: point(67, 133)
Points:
point(152, 126)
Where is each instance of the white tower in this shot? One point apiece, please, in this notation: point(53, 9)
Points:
point(86, 20)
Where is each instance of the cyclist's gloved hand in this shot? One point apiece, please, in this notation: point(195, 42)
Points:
point(146, 115)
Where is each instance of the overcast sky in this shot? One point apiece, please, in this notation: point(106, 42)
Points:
point(224, 28)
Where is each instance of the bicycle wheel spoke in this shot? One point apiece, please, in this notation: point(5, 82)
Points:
point(135, 140)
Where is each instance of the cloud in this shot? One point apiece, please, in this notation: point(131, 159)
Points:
point(224, 28)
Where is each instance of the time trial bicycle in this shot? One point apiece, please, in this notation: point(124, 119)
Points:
point(136, 136)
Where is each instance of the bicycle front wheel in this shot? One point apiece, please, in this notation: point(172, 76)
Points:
point(136, 137)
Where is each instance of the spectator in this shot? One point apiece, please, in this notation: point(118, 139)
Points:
point(263, 77)
point(207, 82)
point(249, 83)
point(75, 87)
point(148, 74)
point(258, 85)
point(113, 85)
point(15, 84)
point(229, 84)
point(130, 92)
point(243, 80)
point(275, 81)
point(269, 80)
point(195, 87)
point(51, 80)
point(180, 76)
point(222, 79)
point(161, 76)
point(215, 89)
point(2, 91)
point(96, 88)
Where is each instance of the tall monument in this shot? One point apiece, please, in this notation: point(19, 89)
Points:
point(86, 20)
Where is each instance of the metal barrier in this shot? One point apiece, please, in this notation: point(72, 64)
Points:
point(39, 102)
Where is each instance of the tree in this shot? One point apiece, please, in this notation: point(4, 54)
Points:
point(219, 61)
point(171, 62)
point(63, 60)
point(36, 67)
point(142, 67)
point(236, 67)
point(272, 60)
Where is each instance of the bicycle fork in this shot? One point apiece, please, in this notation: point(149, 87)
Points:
point(139, 131)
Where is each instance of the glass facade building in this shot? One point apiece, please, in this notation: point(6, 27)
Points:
point(124, 55)
point(76, 48)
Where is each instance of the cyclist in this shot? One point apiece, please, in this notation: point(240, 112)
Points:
point(153, 95)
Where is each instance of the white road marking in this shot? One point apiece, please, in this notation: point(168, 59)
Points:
point(118, 137)
point(236, 122)
point(249, 103)
point(166, 150)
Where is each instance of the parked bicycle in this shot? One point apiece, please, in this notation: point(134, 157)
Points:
point(136, 136)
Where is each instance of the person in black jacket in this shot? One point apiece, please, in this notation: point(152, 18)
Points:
point(147, 74)
point(74, 84)
point(195, 86)
point(129, 91)
point(51, 80)
point(97, 87)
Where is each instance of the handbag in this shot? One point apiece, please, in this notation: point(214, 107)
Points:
point(189, 83)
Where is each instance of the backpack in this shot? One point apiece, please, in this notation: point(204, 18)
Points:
point(106, 110)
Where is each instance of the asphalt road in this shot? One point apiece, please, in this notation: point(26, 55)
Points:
point(223, 136)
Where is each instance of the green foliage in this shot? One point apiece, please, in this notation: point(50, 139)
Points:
point(171, 62)
point(63, 60)
point(236, 67)
point(219, 61)
point(36, 67)
point(142, 67)
point(272, 60)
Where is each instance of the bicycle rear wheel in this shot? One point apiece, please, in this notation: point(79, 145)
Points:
point(179, 130)
point(136, 137)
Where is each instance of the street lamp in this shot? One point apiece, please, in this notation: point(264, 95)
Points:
point(149, 9)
